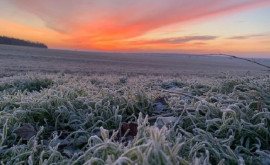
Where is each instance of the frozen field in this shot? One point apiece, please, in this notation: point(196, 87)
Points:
point(14, 60)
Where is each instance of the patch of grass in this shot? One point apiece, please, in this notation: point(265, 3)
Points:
point(27, 83)
point(77, 119)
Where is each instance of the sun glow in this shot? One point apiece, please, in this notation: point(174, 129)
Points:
point(179, 26)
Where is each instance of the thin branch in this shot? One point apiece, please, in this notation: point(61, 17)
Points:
point(245, 59)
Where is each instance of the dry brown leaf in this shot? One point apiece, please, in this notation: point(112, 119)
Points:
point(132, 131)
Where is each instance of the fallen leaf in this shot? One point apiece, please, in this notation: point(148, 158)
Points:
point(160, 104)
point(162, 100)
point(26, 131)
point(132, 129)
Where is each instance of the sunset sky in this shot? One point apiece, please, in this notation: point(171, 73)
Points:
point(239, 27)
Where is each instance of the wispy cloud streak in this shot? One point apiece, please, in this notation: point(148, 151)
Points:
point(177, 40)
point(243, 37)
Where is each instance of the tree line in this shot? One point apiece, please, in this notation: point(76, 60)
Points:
point(14, 41)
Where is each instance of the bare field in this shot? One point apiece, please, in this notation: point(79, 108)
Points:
point(14, 59)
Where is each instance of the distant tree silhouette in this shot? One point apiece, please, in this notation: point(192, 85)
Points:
point(14, 41)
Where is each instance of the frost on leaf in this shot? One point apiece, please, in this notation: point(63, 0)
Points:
point(26, 131)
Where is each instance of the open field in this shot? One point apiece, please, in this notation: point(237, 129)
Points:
point(15, 60)
point(64, 107)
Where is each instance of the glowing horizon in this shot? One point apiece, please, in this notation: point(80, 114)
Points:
point(206, 26)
